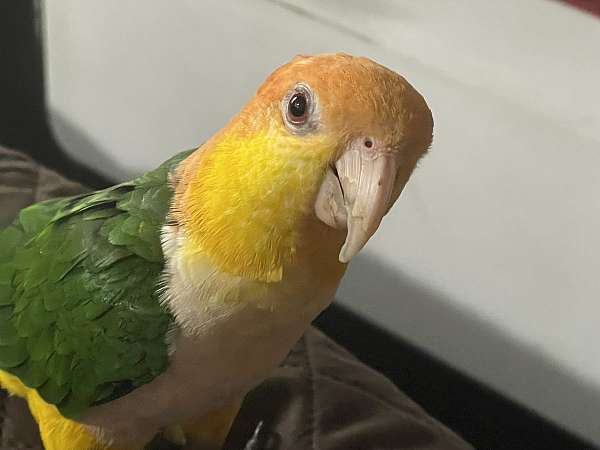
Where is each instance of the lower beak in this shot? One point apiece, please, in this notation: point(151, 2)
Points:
point(365, 178)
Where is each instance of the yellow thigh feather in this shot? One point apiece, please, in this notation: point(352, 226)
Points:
point(211, 430)
point(57, 432)
point(60, 433)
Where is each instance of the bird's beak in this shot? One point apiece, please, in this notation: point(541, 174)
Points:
point(357, 192)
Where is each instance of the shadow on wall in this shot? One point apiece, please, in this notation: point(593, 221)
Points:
point(69, 136)
point(430, 319)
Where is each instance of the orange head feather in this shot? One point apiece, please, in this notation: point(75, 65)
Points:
point(246, 197)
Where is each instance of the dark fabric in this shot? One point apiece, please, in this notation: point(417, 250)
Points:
point(323, 398)
point(320, 398)
point(23, 182)
point(592, 6)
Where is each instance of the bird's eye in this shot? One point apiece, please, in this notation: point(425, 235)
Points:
point(297, 108)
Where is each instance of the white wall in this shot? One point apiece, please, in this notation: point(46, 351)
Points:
point(490, 259)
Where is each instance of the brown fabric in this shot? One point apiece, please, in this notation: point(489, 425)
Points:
point(320, 398)
point(23, 182)
point(323, 398)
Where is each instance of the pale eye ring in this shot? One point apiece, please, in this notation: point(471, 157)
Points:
point(298, 107)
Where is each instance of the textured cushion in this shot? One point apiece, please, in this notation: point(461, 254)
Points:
point(323, 398)
point(22, 182)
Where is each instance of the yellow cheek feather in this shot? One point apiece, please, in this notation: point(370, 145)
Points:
point(244, 206)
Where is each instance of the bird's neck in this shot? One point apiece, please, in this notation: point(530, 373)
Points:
point(244, 200)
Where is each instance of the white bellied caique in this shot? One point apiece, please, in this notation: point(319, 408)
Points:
point(157, 304)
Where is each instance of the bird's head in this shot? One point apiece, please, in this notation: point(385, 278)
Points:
point(330, 138)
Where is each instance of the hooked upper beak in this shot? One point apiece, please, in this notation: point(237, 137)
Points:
point(357, 192)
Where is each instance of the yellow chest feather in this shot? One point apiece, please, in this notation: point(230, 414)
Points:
point(245, 204)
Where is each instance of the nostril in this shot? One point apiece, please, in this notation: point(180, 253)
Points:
point(368, 143)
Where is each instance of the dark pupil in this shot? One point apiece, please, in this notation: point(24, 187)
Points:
point(298, 105)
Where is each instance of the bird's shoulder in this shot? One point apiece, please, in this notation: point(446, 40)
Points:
point(79, 309)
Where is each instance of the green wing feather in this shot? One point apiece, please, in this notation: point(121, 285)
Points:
point(80, 319)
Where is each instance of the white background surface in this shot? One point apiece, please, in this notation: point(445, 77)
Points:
point(490, 260)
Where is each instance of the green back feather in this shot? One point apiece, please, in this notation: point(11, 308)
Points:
point(80, 319)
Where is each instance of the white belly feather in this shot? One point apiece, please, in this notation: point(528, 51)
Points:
point(231, 334)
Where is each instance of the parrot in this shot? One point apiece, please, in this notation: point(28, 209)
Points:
point(155, 305)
